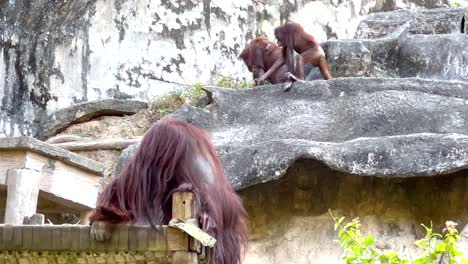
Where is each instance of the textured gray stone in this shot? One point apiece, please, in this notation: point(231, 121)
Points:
point(434, 56)
point(365, 126)
point(78, 113)
point(125, 158)
point(442, 56)
point(54, 54)
point(31, 144)
point(434, 21)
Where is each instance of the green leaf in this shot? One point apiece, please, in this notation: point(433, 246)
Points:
point(341, 232)
point(369, 241)
point(441, 247)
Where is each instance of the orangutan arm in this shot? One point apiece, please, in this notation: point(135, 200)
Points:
point(278, 63)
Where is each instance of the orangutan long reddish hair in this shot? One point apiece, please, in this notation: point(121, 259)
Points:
point(176, 156)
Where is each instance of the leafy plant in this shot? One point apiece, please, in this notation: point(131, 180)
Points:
point(166, 104)
point(228, 82)
point(172, 101)
point(361, 249)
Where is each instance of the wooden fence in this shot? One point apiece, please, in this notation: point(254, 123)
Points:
point(27, 244)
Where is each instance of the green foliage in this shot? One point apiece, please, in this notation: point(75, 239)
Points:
point(228, 82)
point(171, 102)
point(166, 104)
point(361, 249)
point(458, 3)
point(455, 4)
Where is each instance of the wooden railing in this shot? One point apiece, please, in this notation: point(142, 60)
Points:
point(128, 244)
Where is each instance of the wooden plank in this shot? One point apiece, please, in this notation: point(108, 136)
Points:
point(183, 208)
point(76, 238)
point(182, 257)
point(84, 237)
point(157, 239)
point(34, 145)
point(114, 240)
point(22, 196)
point(7, 236)
point(70, 186)
point(35, 219)
point(132, 238)
point(66, 236)
point(183, 205)
point(105, 144)
point(10, 159)
point(56, 237)
point(176, 240)
point(17, 237)
point(123, 237)
point(27, 237)
point(42, 237)
point(2, 245)
point(1, 238)
point(142, 236)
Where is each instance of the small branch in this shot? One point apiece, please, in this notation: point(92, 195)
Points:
point(106, 144)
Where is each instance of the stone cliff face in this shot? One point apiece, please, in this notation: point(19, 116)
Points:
point(57, 53)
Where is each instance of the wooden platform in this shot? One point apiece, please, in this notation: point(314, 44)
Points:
point(29, 166)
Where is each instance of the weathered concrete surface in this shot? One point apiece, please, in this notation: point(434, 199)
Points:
point(289, 219)
point(422, 56)
point(78, 113)
point(363, 126)
point(404, 56)
point(435, 21)
point(27, 143)
point(57, 53)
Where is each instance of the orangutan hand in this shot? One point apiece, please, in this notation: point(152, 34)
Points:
point(100, 231)
point(207, 222)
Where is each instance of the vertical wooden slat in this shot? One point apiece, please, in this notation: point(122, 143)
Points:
point(84, 237)
point(183, 208)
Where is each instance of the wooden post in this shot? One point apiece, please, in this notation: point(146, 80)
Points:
point(183, 208)
point(22, 194)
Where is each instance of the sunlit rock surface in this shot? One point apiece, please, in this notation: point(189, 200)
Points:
point(390, 151)
point(427, 44)
point(364, 126)
point(57, 53)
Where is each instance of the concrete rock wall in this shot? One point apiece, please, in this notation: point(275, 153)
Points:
point(57, 53)
point(289, 218)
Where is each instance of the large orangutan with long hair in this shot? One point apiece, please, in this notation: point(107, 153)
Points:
point(175, 156)
point(259, 55)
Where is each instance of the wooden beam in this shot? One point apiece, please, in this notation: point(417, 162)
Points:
point(23, 192)
point(65, 184)
point(183, 208)
point(106, 144)
point(11, 159)
point(60, 182)
point(51, 152)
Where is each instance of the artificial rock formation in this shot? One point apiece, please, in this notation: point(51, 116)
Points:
point(364, 126)
point(369, 147)
point(54, 54)
point(59, 120)
point(405, 44)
